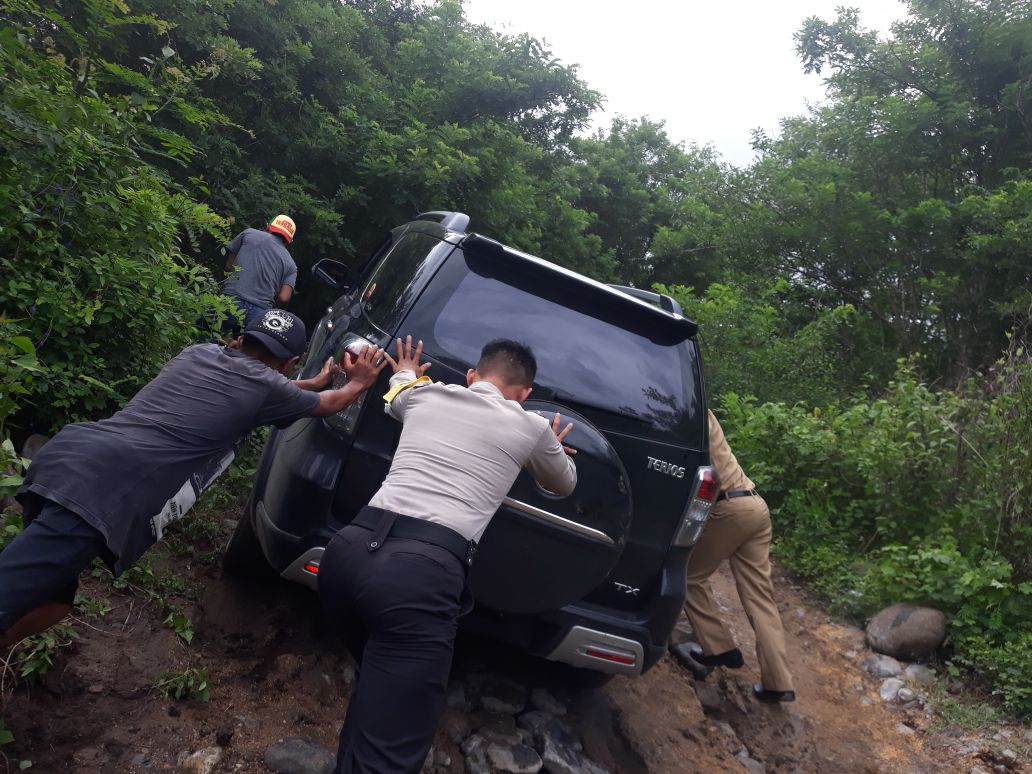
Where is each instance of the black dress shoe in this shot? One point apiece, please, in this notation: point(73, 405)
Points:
point(732, 659)
point(771, 697)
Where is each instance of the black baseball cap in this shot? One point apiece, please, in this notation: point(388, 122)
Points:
point(281, 332)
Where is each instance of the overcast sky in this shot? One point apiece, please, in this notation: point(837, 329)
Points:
point(713, 71)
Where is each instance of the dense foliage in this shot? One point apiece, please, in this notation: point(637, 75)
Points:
point(855, 285)
point(92, 248)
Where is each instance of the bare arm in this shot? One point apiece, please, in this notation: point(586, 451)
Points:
point(230, 260)
point(283, 297)
point(550, 463)
point(322, 379)
point(362, 371)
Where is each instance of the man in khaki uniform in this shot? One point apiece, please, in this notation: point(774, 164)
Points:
point(739, 531)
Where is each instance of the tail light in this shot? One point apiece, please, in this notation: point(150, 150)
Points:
point(704, 494)
point(346, 420)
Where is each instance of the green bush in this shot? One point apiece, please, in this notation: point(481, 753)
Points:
point(94, 249)
point(922, 495)
point(189, 683)
point(18, 368)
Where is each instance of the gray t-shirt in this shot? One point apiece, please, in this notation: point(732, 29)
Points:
point(263, 266)
point(117, 473)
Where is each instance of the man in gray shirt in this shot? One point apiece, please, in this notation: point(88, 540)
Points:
point(94, 488)
point(395, 578)
point(263, 273)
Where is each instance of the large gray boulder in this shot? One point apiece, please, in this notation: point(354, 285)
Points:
point(907, 631)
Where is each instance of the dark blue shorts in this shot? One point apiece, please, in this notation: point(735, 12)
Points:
point(42, 564)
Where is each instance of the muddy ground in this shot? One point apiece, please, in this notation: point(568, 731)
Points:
point(271, 673)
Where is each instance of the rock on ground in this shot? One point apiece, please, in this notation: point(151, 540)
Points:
point(455, 725)
point(501, 695)
point(200, 762)
point(296, 755)
point(513, 759)
point(475, 751)
point(907, 631)
point(560, 759)
point(542, 725)
point(889, 689)
point(501, 731)
point(919, 673)
point(878, 665)
point(541, 699)
point(905, 695)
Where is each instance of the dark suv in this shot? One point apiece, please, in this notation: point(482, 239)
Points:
point(594, 579)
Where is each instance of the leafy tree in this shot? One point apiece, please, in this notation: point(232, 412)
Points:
point(641, 187)
point(94, 263)
point(924, 130)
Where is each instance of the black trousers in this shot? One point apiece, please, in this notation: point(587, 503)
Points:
point(398, 608)
point(42, 564)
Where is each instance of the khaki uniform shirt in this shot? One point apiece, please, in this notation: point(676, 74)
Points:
point(721, 457)
point(460, 452)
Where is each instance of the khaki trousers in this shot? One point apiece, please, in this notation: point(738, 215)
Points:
point(739, 531)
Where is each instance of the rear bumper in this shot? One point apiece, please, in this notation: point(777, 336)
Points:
point(582, 634)
point(601, 651)
point(595, 637)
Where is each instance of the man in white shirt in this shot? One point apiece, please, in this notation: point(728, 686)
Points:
point(395, 578)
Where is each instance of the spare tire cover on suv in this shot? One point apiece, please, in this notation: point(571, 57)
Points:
point(541, 551)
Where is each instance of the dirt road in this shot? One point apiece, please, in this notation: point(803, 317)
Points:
point(838, 724)
point(271, 674)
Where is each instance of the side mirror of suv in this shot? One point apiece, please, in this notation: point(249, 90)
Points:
point(331, 272)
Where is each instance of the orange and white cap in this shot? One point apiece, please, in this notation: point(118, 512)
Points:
point(283, 224)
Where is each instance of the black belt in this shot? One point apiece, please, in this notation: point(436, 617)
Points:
point(737, 493)
point(384, 524)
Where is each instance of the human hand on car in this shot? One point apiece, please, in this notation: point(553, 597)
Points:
point(560, 435)
point(321, 380)
point(326, 374)
point(362, 368)
point(408, 358)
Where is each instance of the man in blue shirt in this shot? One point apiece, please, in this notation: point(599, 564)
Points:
point(263, 273)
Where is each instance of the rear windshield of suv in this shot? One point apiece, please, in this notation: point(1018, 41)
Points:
point(627, 369)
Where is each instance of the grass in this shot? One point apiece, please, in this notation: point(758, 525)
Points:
point(972, 712)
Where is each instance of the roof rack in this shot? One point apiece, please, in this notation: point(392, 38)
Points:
point(453, 221)
point(666, 303)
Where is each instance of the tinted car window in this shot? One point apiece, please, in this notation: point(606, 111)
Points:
point(628, 372)
point(396, 281)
